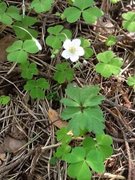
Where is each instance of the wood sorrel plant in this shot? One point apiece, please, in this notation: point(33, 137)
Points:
point(81, 104)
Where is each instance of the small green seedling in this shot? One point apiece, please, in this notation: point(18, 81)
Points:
point(111, 40)
point(28, 70)
point(86, 9)
point(26, 23)
point(63, 73)
point(129, 21)
point(82, 109)
point(131, 81)
point(41, 5)
point(8, 14)
point(37, 88)
point(85, 43)
point(57, 35)
point(109, 64)
point(4, 100)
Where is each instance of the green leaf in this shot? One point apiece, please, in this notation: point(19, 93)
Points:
point(13, 12)
point(36, 88)
point(77, 155)
point(3, 7)
point(108, 64)
point(62, 135)
point(78, 164)
point(83, 4)
point(82, 109)
point(28, 21)
point(17, 56)
point(28, 70)
point(65, 33)
point(80, 171)
point(20, 33)
point(72, 14)
point(57, 35)
point(111, 40)
point(85, 43)
point(104, 145)
point(60, 76)
point(55, 30)
point(62, 151)
point(54, 42)
point(131, 81)
point(91, 15)
point(129, 21)
point(41, 5)
point(4, 100)
point(30, 46)
point(89, 143)
point(114, 1)
point(95, 161)
point(17, 45)
point(5, 19)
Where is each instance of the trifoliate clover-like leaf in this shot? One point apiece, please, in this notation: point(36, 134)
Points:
point(7, 15)
point(129, 21)
point(131, 81)
point(36, 88)
point(28, 70)
point(82, 109)
point(57, 35)
point(85, 9)
point(90, 155)
point(41, 5)
point(60, 76)
point(109, 64)
point(18, 56)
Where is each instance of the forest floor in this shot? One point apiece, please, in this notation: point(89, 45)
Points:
point(26, 122)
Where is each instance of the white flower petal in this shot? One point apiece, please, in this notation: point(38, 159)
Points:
point(76, 42)
point(67, 43)
point(65, 54)
point(80, 51)
point(37, 43)
point(74, 58)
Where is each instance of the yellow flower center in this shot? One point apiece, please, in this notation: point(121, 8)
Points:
point(72, 50)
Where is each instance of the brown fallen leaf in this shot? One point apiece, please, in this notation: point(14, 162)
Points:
point(12, 145)
point(55, 119)
point(5, 42)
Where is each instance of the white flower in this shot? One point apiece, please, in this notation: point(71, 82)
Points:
point(72, 49)
point(37, 43)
